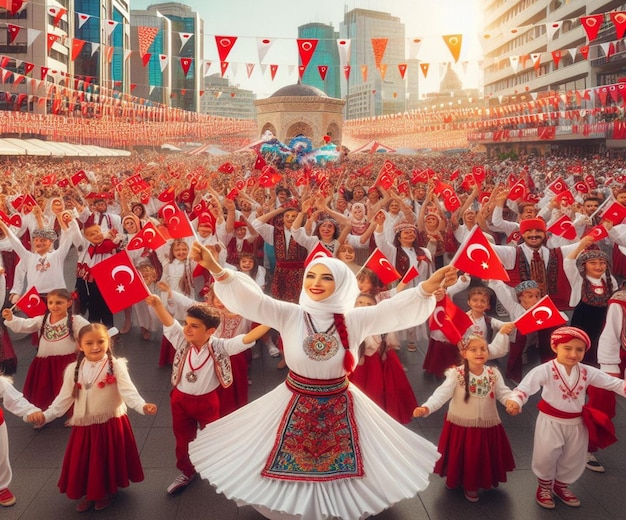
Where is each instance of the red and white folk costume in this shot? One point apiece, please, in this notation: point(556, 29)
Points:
point(353, 481)
point(561, 432)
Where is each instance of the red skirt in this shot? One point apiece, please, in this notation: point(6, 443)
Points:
point(440, 356)
point(236, 395)
point(45, 378)
point(474, 458)
point(99, 459)
point(400, 399)
point(368, 377)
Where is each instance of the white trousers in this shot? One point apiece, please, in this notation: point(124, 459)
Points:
point(560, 448)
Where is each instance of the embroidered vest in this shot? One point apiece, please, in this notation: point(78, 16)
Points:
point(558, 285)
point(588, 295)
point(403, 262)
point(295, 252)
point(221, 362)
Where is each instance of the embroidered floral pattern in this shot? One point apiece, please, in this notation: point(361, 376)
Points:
point(479, 386)
point(317, 440)
point(569, 393)
point(55, 332)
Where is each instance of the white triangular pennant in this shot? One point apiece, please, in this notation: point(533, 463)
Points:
point(514, 61)
point(82, 18)
point(263, 45)
point(31, 36)
point(184, 38)
point(109, 26)
point(343, 46)
point(94, 47)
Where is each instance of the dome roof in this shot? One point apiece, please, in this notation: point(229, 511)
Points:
point(298, 89)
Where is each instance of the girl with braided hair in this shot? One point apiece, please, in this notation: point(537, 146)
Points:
point(101, 454)
point(57, 330)
point(276, 466)
point(476, 453)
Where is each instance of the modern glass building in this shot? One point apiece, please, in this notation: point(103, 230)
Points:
point(326, 54)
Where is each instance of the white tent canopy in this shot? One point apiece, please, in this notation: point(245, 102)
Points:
point(14, 146)
point(373, 147)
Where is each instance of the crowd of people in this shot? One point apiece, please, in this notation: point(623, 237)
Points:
point(283, 262)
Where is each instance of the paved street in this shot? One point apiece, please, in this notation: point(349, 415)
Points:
point(37, 455)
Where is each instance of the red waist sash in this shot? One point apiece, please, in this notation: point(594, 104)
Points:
point(599, 425)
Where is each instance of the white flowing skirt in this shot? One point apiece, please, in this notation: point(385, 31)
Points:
point(232, 451)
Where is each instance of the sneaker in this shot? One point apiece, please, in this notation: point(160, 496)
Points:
point(7, 498)
point(179, 484)
point(104, 503)
point(544, 498)
point(593, 464)
point(272, 350)
point(472, 496)
point(84, 505)
point(564, 494)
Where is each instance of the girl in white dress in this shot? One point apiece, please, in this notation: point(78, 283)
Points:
point(314, 452)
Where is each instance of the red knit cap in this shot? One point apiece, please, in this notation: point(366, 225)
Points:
point(565, 334)
point(532, 223)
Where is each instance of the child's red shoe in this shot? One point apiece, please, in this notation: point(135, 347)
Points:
point(7, 498)
point(564, 494)
point(544, 498)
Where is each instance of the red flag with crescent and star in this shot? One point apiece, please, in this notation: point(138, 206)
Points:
point(31, 303)
point(319, 251)
point(449, 319)
point(176, 221)
point(475, 256)
point(563, 227)
point(542, 315)
point(119, 282)
point(615, 213)
point(148, 236)
point(382, 267)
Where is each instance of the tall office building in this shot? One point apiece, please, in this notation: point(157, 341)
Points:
point(326, 55)
point(181, 40)
point(77, 45)
point(222, 99)
point(539, 28)
point(368, 94)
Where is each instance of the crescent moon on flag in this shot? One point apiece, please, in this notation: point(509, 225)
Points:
point(35, 299)
point(174, 221)
point(135, 243)
point(474, 247)
point(168, 210)
point(319, 254)
point(150, 232)
point(384, 261)
point(438, 310)
point(546, 310)
point(125, 269)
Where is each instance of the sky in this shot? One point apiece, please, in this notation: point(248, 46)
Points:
point(249, 19)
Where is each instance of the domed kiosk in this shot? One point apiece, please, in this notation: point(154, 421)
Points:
point(301, 109)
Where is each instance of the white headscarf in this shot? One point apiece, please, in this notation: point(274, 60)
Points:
point(346, 290)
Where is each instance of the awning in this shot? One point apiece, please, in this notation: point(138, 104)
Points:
point(14, 146)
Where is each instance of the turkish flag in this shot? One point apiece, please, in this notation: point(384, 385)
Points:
point(24, 203)
point(148, 236)
point(419, 176)
point(226, 168)
point(597, 232)
point(581, 187)
point(319, 251)
point(79, 176)
point(517, 191)
point(269, 177)
point(450, 320)
point(306, 48)
point(557, 186)
point(14, 220)
point(542, 315)
point(176, 221)
point(259, 163)
point(31, 304)
point(119, 282)
point(63, 183)
point(565, 198)
point(48, 180)
point(476, 257)
point(591, 181)
point(168, 195)
point(382, 267)
point(410, 275)
point(516, 236)
point(615, 213)
point(563, 227)
point(479, 173)
point(451, 202)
